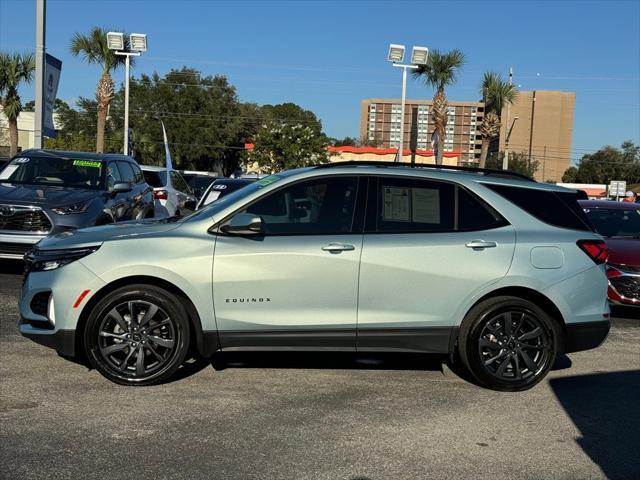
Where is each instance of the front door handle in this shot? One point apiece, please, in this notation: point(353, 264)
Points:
point(338, 247)
point(480, 244)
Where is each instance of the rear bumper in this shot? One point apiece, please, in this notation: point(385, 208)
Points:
point(586, 335)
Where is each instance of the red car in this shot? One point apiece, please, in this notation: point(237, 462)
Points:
point(619, 224)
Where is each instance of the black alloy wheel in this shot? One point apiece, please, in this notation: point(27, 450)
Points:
point(508, 343)
point(137, 335)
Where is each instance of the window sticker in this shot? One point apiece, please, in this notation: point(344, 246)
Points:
point(22, 160)
point(213, 196)
point(87, 163)
point(219, 187)
point(8, 171)
point(268, 180)
point(425, 205)
point(395, 207)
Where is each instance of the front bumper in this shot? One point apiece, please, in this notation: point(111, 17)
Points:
point(63, 341)
point(55, 326)
point(586, 335)
point(624, 285)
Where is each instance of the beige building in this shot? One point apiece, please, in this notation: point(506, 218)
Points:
point(380, 123)
point(543, 130)
point(26, 121)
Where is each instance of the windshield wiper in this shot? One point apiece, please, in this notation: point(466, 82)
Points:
point(632, 236)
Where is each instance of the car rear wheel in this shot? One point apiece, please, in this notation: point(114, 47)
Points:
point(508, 343)
point(137, 335)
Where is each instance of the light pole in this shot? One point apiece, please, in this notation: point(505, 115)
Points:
point(505, 160)
point(419, 57)
point(137, 45)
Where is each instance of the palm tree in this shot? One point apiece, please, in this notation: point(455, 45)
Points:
point(440, 71)
point(14, 69)
point(93, 49)
point(496, 93)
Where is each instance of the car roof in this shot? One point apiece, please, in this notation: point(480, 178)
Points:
point(101, 157)
point(608, 204)
point(431, 172)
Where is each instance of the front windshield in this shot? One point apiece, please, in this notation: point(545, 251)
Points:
point(216, 206)
point(615, 223)
point(60, 172)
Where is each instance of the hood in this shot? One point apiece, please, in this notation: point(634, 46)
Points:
point(84, 237)
point(624, 251)
point(43, 195)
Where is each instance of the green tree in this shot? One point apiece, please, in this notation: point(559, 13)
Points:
point(206, 124)
point(281, 146)
point(609, 163)
point(345, 142)
point(293, 114)
point(14, 69)
point(518, 163)
point(496, 93)
point(93, 49)
point(440, 71)
point(570, 175)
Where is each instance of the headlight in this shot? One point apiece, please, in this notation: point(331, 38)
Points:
point(43, 260)
point(78, 207)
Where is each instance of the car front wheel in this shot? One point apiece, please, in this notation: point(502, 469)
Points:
point(508, 343)
point(137, 335)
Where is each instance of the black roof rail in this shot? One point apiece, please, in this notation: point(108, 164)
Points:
point(378, 163)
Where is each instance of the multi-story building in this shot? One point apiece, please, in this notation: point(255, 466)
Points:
point(541, 124)
point(380, 121)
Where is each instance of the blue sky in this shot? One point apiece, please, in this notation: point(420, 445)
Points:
point(326, 56)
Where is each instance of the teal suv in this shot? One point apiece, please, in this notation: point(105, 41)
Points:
point(495, 271)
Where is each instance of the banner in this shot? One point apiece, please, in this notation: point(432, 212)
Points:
point(52, 68)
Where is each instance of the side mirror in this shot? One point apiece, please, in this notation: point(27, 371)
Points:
point(121, 187)
point(191, 204)
point(243, 224)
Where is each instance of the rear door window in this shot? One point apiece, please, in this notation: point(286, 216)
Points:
point(155, 179)
point(178, 182)
point(414, 205)
point(126, 172)
point(475, 214)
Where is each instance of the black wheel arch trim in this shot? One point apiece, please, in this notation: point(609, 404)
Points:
point(206, 341)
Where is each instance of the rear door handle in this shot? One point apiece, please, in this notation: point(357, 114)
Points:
point(338, 247)
point(480, 244)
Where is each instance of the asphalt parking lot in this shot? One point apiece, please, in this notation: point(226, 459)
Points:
point(316, 416)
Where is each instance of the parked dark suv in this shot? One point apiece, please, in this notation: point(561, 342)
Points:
point(47, 192)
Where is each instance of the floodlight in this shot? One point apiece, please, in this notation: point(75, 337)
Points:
point(396, 53)
point(115, 41)
point(138, 42)
point(419, 55)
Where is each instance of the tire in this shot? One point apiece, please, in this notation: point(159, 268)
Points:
point(507, 358)
point(143, 352)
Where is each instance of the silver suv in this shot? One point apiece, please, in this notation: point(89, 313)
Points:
point(496, 271)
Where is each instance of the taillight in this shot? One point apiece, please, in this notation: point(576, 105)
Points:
point(596, 250)
point(613, 272)
point(160, 194)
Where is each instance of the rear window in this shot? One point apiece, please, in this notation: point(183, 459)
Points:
point(155, 179)
point(559, 209)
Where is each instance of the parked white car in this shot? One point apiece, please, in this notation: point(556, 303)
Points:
point(172, 195)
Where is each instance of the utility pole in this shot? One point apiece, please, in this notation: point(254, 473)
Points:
point(41, 17)
point(505, 160)
point(544, 161)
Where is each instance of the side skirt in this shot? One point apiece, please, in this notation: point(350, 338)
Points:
point(424, 340)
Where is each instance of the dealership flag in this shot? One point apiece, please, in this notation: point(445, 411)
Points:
point(169, 164)
point(52, 68)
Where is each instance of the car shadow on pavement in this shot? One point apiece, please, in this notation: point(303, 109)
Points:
point(605, 408)
point(328, 360)
point(12, 267)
